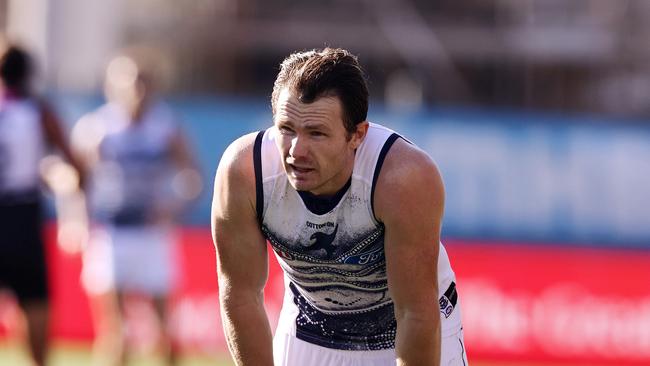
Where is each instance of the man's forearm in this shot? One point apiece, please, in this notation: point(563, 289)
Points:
point(248, 332)
point(417, 342)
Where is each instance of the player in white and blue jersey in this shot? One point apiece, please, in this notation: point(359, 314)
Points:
point(143, 175)
point(353, 213)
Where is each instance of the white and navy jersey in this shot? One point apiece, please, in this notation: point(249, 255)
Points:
point(22, 146)
point(332, 253)
point(135, 166)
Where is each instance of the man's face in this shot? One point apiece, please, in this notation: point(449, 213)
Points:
point(317, 151)
point(128, 85)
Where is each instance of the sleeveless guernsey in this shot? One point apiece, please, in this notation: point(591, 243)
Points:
point(22, 145)
point(135, 167)
point(336, 290)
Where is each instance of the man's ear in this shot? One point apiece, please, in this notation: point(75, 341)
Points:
point(359, 134)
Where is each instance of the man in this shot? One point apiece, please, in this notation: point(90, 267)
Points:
point(353, 212)
point(28, 127)
point(143, 176)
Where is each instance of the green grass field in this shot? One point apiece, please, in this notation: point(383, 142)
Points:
point(71, 354)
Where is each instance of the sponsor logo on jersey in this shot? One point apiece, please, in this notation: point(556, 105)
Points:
point(312, 225)
point(366, 258)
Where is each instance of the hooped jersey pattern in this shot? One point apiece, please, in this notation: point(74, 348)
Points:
point(333, 261)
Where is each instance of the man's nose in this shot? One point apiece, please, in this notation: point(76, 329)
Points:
point(298, 147)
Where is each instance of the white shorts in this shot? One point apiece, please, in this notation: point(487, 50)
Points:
point(291, 351)
point(133, 259)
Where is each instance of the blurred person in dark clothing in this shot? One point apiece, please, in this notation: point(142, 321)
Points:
point(28, 128)
point(143, 175)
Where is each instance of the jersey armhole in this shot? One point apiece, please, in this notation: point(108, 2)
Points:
point(380, 162)
point(259, 186)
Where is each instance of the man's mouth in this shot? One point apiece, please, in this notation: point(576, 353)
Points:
point(300, 169)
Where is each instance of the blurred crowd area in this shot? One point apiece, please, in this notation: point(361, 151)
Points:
point(584, 56)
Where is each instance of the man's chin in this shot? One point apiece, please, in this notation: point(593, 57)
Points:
point(300, 185)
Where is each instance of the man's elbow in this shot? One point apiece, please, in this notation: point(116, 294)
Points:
point(424, 316)
point(419, 317)
point(234, 297)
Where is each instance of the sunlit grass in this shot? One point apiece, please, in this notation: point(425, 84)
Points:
point(78, 354)
point(73, 354)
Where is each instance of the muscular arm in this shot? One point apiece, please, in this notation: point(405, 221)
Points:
point(409, 199)
point(241, 257)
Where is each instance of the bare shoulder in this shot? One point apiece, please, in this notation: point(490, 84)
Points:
point(88, 130)
point(235, 230)
point(86, 137)
point(235, 176)
point(409, 179)
point(237, 159)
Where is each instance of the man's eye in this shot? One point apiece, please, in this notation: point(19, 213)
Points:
point(317, 133)
point(285, 130)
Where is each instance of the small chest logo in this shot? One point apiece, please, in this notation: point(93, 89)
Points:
point(320, 240)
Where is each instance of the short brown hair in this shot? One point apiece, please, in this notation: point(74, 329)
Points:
point(326, 72)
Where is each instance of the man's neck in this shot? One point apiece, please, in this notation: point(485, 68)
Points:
point(321, 204)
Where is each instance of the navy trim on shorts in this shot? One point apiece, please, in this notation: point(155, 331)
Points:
point(462, 348)
point(259, 187)
point(380, 161)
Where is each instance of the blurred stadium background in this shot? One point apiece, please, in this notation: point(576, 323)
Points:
point(535, 110)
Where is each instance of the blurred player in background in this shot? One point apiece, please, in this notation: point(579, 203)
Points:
point(353, 212)
point(28, 127)
point(143, 176)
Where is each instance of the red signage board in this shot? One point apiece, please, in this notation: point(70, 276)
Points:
point(551, 303)
point(534, 303)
